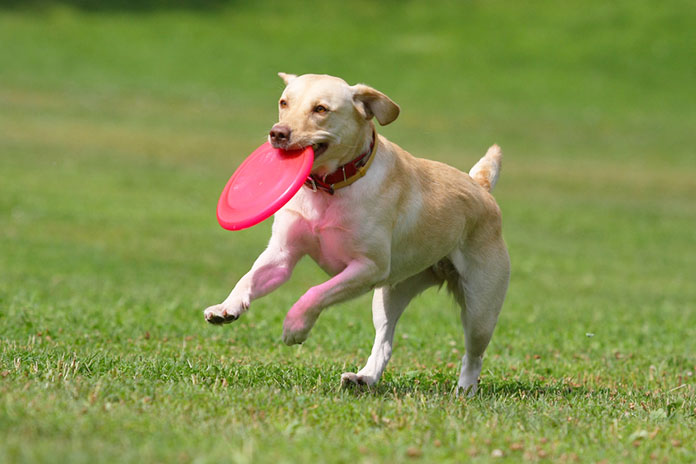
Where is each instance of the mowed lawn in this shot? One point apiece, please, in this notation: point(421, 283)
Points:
point(119, 126)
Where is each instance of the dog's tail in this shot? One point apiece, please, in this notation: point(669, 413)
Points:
point(487, 170)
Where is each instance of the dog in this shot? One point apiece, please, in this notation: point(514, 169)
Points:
point(374, 217)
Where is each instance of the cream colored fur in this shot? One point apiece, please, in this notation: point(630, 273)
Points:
point(409, 224)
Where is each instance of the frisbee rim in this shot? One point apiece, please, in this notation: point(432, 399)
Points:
point(224, 208)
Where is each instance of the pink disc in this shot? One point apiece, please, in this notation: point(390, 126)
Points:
point(262, 184)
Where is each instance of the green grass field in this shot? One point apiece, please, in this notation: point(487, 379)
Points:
point(119, 126)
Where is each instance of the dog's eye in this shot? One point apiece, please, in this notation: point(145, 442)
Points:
point(283, 103)
point(321, 109)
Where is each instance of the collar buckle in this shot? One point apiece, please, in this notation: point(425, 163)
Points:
point(356, 169)
point(312, 183)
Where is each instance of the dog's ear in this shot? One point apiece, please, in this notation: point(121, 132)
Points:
point(287, 78)
point(371, 102)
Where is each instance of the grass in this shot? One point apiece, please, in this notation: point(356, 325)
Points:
point(118, 129)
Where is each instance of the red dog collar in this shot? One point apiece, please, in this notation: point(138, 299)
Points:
point(346, 174)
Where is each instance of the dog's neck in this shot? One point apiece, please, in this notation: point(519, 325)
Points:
point(368, 133)
point(347, 173)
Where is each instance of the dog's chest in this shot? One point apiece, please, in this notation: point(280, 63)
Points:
point(330, 229)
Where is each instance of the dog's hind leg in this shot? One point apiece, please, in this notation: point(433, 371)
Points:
point(388, 303)
point(481, 292)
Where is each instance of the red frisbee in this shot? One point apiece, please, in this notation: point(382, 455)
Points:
point(262, 184)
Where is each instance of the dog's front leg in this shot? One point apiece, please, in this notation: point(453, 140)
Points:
point(271, 269)
point(388, 303)
point(358, 277)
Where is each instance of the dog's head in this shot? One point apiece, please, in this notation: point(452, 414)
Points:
point(331, 116)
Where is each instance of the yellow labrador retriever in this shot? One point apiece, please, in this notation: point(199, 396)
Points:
point(375, 217)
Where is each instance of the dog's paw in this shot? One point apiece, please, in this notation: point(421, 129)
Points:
point(293, 336)
point(224, 313)
point(467, 388)
point(469, 376)
point(296, 327)
point(350, 378)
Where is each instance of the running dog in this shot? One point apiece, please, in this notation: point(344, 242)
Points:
point(374, 217)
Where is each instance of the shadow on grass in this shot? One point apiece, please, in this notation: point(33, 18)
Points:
point(517, 388)
point(487, 390)
point(324, 379)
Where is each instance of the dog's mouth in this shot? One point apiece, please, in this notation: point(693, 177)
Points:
point(319, 149)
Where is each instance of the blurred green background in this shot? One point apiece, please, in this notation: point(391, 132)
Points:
point(120, 123)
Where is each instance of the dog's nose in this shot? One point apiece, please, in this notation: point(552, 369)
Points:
point(280, 134)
